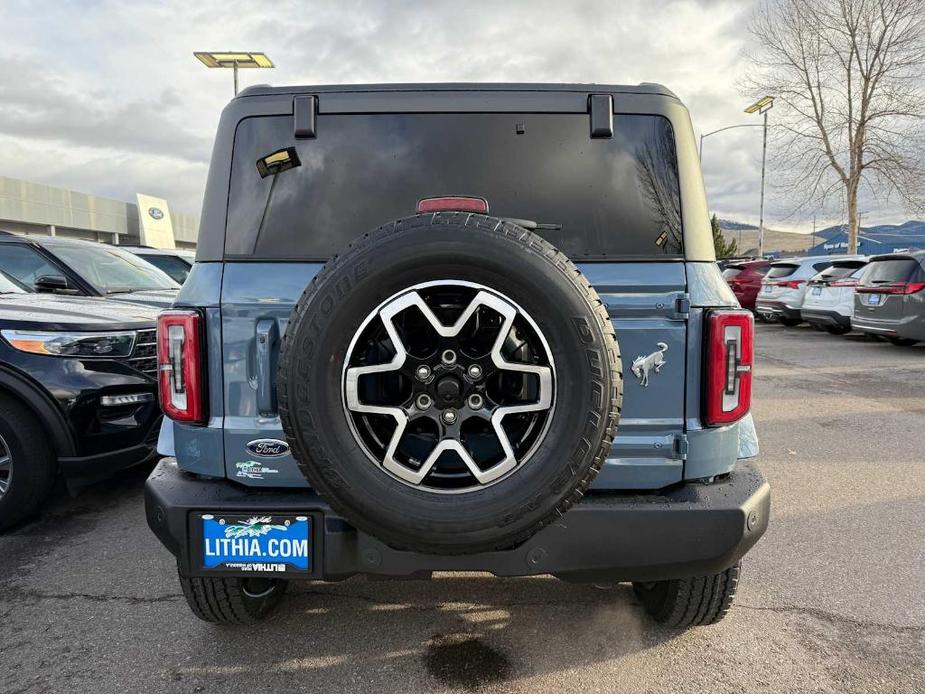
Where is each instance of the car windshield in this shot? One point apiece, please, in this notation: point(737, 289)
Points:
point(178, 268)
point(10, 286)
point(594, 198)
point(778, 271)
point(111, 270)
point(891, 270)
point(839, 270)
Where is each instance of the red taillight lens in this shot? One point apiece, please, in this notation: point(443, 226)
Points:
point(454, 203)
point(894, 288)
point(729, 359)
point(848, 282)
point(790, 284)
point(180, 365)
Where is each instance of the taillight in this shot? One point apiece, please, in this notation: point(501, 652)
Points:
point(847, 282)
point(894, 288)
point(180, 365)
point(790, 284)
point(453, 203)
point(729, 359)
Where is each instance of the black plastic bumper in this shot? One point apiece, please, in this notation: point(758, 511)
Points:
point(777, 309)
point(823, 317)
point(695, 530)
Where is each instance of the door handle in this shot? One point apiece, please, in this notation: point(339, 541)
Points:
point(267, 333)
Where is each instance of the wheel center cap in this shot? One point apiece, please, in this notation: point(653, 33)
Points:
point(448, 389)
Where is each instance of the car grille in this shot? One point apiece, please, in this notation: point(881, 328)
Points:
point(144, 356)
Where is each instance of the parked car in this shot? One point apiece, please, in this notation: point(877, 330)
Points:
point(890, 298)
point(744, 278)
point(784, 286)
point(77, 392)
point(829, 300)
point(173, 261)
point(56, 265)
point(414, 384)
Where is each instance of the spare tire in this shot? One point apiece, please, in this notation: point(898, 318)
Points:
point(450, 384)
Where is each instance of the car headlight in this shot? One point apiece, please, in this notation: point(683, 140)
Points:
point(72, 344)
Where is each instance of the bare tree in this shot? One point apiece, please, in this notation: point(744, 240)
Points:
point(849, 75)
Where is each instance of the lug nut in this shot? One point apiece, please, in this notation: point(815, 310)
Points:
point(475, 401)
point(448, 356)
point(449, 416)
point(475, 371)
point(423, 372)
point(423, 401)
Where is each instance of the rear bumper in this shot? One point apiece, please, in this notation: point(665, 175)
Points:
point(821, 316)
point(694, 530)
point(777, 309)
point(908, 327)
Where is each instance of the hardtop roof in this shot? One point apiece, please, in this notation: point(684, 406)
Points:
point(641, 88)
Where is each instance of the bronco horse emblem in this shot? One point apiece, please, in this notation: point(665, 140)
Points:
point(642, 366)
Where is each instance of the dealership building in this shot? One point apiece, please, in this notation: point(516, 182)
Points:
point(35, 208)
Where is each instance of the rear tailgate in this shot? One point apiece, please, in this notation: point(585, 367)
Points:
point(647, 302)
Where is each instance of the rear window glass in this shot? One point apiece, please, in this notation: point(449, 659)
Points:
point(614, 196)
point(834, 272)
point(731, 272)
point(893, 270)
point(777, 271)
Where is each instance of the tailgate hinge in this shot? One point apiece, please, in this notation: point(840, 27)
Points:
point(680, 446)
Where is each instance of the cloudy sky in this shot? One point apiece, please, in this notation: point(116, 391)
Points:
point(106, 97)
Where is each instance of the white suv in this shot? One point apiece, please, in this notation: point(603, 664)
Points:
point(829, 300)
point(784, 287)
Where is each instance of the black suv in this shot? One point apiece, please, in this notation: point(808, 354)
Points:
point(77, 392)
point(74, 267)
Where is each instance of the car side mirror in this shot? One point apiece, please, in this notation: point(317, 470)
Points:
point(52, 284)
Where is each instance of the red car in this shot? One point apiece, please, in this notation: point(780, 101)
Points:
point(744, 278)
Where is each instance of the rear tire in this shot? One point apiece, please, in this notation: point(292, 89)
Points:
point(789, 322)
point(688, 602)
point(27, 462)
point(838, 329)
point(232, 601)
point(902, 341)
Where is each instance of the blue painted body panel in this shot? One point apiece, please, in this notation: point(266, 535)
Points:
point(660, 440)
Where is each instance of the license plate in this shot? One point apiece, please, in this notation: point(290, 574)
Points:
point(259, 543)
point(873, 300)
point(767, 290)
point(817, 291)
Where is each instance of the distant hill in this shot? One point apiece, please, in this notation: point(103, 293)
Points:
point(746, 236)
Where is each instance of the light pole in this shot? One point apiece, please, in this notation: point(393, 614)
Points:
point(728, 127)
point(762, 106)
point(234, 60)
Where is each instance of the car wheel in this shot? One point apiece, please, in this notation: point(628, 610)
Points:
point(789, 322)
point(902, 341)
point(475, 390)
point(232, 601)
point(838, 329)
point(687, 602)
point(27, 462)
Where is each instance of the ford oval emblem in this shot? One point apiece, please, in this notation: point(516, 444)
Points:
point(156, 212)
point(267, 448)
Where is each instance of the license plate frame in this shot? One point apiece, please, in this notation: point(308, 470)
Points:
point(817, 291)
point(294, 536)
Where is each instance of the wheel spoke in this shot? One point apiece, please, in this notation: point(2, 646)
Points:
point(6, 467)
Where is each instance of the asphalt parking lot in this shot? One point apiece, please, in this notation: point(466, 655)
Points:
point(832, 599)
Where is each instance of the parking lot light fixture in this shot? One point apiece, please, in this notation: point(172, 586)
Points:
point(234, 60)
point(762, 106)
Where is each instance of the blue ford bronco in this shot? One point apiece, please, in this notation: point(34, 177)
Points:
point(460, 327)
